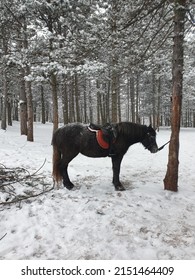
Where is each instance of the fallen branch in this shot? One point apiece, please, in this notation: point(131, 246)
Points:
point(21, 198)
point(3, 236)
point(8, 175)
point(38, 168)
point(17, 184)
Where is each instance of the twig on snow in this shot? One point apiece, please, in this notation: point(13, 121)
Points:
point(3, 236)
point(31, 183)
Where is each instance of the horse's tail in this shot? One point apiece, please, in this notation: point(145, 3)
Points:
point(56, 161)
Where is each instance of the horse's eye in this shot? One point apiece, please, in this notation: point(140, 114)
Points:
point(150, 136)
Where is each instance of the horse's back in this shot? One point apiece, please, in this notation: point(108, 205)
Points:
point(75, 138)
point(68, 135)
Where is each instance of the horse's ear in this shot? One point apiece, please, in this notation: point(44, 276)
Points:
point(150, 126)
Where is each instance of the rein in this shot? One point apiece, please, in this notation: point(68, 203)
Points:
point(159, 149)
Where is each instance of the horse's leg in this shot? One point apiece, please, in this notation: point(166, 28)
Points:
point(116, 164)
point(66, 180)
point(64, 171)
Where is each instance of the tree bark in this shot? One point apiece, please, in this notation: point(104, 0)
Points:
point(153, 100)
point(85, 100)
point(118, 100)
point(23, 105)
point(9, 110)
point(1, 107)
point(72, 117)
point(107, 106)
point(137, 119)
point(55, 101)
point(114, 55)
point(77, 98)
point(30, 134)
point(90, 103)
point(114, 97)
point(4, 99)
point(158, 103)
point(132, 97)
point(43, 119)
point(65, 102)
point(98, 103)
point(171, 177)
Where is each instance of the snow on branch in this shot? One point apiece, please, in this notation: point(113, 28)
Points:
point(191, 17)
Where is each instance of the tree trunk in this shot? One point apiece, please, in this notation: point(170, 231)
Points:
point(15, 110)
point(98, 108)
point(118, 100)
point(65, 102)
point(77, 98)
point(104, 115)
point(30, 133)
point(128, 101)
point(4, 106)
point(72, 114)
point(137, 100)
point(30, 136)
point(1, 107)
point(114, 97)
point(171, 178)
point(158, 103)
point(114, 54)
point(85, 100)
point(5, 82)
point(23, 105)
point(132, 97)
point(9, 110)
point(107, 113)
point(43, 119)
point(90, 103)
point(153, 100)
point(98, 102)
point(55, 101)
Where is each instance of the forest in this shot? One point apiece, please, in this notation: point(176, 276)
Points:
point(99, 61)
point(92, 61)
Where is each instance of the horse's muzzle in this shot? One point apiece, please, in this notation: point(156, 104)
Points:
point(154, 150)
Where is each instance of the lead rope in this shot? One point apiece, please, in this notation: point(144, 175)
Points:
point(159, 149)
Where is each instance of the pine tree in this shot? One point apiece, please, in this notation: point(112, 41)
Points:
point(171, 177)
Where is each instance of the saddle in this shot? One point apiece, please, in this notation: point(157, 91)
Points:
point(105, 135)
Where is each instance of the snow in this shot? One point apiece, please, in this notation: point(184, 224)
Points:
point(93, 221)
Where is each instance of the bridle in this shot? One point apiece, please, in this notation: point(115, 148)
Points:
point(150, 145)
point(159, 149)
point(151, 138)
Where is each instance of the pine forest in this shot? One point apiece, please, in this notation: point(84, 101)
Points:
point(98, 61)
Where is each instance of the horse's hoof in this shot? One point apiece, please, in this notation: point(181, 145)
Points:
point(119, 188)
point(69, 187)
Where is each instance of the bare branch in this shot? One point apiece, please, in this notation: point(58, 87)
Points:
point(33, 184)
point(3, 236)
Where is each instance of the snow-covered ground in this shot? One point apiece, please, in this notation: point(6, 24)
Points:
point(94, 221)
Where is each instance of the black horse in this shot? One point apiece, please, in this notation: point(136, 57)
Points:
point(72, 139)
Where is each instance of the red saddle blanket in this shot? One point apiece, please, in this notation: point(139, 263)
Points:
point(100, 139)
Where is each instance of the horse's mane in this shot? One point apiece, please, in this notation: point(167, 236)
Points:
point(132, 130)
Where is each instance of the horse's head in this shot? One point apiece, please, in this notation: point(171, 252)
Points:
point(149, 140)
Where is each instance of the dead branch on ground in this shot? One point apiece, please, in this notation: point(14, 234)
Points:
point(17, 184)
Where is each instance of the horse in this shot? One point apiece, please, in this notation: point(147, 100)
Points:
point(72, 139)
